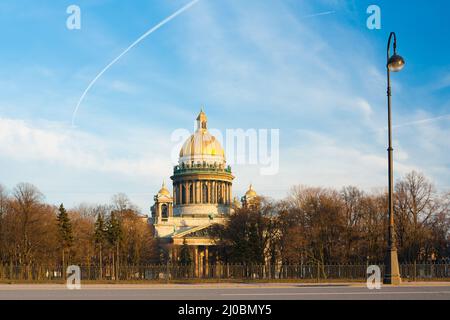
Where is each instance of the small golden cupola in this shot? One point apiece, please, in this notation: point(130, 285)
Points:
point(164, 191)
point(250, 199)
point(250, 192)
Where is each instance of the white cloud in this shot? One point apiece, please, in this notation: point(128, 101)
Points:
point(50, 142)
point(255, 62)
point(317, 159)
point(364, 106)
point(289, 70)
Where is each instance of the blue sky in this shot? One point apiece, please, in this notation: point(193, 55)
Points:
point(259, 64)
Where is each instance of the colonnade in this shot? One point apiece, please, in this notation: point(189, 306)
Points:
point(201, 257)
point(202, 191)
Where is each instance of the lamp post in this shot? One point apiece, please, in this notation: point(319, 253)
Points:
point(394, 63)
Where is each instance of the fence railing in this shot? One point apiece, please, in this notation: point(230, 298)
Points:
point(221, 272)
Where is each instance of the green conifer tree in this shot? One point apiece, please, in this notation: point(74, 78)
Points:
point(185, 255)
point(65, 233)
point(114, 234)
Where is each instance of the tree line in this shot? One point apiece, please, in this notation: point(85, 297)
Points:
point(33, 232)
point(312, 225)
point(325, 226)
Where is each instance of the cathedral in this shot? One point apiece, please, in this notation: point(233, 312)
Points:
point(202, 196)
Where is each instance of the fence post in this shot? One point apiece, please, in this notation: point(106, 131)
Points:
point(318, 271)
point(415, 270)
point(167, 271)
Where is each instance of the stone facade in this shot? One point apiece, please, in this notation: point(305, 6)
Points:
point(201, 197)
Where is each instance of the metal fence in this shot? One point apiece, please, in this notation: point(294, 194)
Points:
point(222, 272)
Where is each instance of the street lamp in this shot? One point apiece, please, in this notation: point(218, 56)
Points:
point(394, 63)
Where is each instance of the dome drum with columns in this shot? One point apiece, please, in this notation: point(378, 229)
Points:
point(202, 194)
point(202, 182)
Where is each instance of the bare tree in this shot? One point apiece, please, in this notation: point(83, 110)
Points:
point(438, 242)
point(29, 233)
point(311, 226)
point(121, 203)
point(353, 210)
point(3, 207)
point(247, 237)
point(3, 200)
point(27, 200)
point(415, 206)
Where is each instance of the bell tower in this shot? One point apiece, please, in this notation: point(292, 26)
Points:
point(250, 200)
point(162, 210)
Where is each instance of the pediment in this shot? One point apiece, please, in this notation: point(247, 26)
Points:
point(204, 231)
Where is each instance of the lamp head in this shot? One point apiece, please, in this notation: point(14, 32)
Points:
point(395, 63)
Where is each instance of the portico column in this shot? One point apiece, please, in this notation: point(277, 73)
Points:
point(206, 261)
point(173, 251)
point(196, 261)
point(201, 266)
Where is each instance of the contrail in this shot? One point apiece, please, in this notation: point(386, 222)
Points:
point(445, 116)
point(422, 121)
point(145, 35)
point(319, 14)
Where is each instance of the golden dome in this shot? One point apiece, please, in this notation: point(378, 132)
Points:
point(164, 191)
point(250, 192)
point(202, 146)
